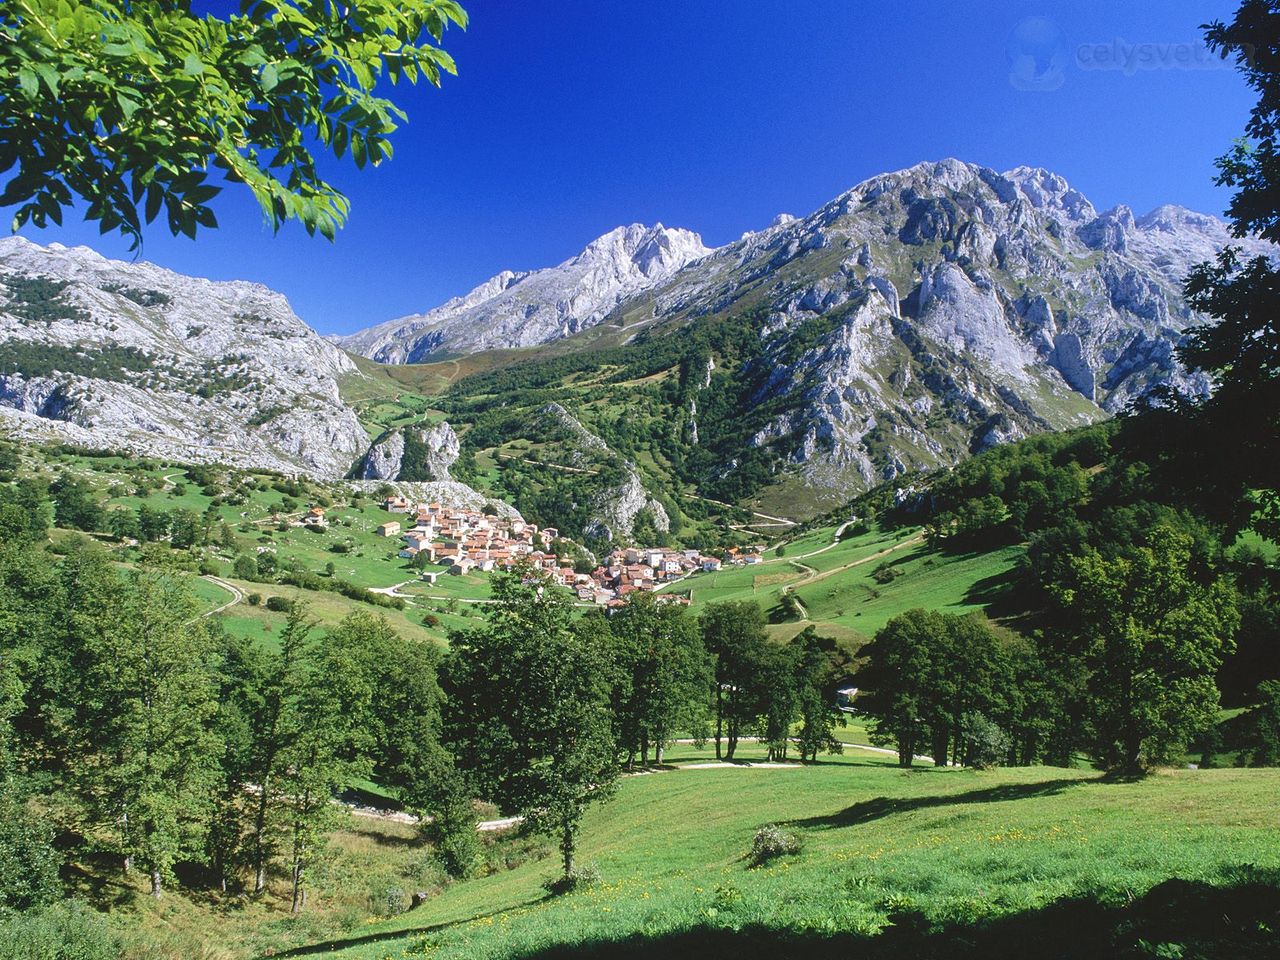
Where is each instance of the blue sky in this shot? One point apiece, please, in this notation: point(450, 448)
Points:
point(572, 117)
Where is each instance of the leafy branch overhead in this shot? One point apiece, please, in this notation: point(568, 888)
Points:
point(134, 105)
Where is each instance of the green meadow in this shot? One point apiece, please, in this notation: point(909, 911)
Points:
point(943, 850)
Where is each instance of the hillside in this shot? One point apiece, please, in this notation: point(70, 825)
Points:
point(937, 863)
point(132, 356)
point(920, 317)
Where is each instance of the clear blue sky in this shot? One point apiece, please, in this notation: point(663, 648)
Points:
point(568, 118)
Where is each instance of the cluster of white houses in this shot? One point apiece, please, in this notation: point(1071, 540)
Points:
point(464, 541)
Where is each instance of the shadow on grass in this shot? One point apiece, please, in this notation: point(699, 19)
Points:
point(391, 936)
point(1178, 918)
point(1235, 920)
point(878, 808)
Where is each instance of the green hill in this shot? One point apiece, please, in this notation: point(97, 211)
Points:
point(951, 852)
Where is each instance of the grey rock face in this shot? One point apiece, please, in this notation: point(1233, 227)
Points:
point(143, 359)
point(442, 450)
point(383, 460)
point(616, 510)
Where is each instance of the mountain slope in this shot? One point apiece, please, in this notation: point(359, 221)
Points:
point(132, 356)
point(532, 307)
point(919, 317)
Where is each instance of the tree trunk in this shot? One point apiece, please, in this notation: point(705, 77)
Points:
point(940, 746)
point(299, 896)
point(259, 828)
point(905, 751)
point(157, 887)
point(566, 849)
point(644, 749)
point(719, 718)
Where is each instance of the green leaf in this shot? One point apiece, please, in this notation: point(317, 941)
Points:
point(270, 77)
point(127, 106)
point(192, 66)
point(49, 76)
point(28, 81)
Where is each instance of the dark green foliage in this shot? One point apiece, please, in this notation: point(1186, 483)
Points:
point(179, 95)
point(140, 296)
point(74, 504)
point(734, 635)
point(528, 708)
point(926, 672)
point(266, 415)
point(29, 863)
point(663, 672)
point(1234, 434)
point(245, 567)
point(1153, 637)
point(38, 299)
point(63, 931)
point(279, 604)
point(34, 359)
point(1262, 725)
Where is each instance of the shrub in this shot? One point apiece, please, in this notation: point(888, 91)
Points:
point(29, 863)
point(279, 604)
point(772, 841)
point(985, 744)
point(63, 931)
point(255, 599)
point(885, 574)
point(246, 567)
point(579, 878)
point(389, 901)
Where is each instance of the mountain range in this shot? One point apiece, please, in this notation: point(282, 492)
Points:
point(916, 318)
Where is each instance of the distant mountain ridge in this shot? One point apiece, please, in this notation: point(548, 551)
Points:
point(918, 317)
point(532, 307)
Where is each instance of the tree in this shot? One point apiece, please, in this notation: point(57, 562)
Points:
point(1228, 442)
point(153, 523)
point(273, 703)
point(820, 663)
point(1153, 637)
point(74, 505)
point(1262, 727)
point(734, 634)
point(326, 740)
point(184, 529)
point(147, 716)
point(245, 567)
point(528, 708)
point(122, 523)
point(663, 671)
point(132, 105)
point(897, 680)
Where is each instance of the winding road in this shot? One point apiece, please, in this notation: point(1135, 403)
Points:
point(237, 594)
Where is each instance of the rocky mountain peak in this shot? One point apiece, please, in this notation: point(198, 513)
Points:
point(524, 309)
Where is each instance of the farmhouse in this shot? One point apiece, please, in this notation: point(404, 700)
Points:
point(389, 529)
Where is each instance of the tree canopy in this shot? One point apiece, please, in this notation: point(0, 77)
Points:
point(133, 105)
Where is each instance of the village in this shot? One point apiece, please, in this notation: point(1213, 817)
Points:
point(461, 541)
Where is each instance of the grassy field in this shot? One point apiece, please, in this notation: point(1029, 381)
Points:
point(855, 586)
point(883, 850)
